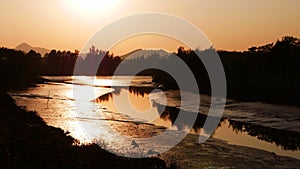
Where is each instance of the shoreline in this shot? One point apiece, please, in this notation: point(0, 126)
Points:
point(216, 153)
point(27, 142)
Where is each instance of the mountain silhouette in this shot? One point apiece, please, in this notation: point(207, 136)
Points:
point(26, 48)
point(128, 54)
point(145, 53)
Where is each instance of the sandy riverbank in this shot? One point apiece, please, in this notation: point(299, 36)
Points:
point(215, 153)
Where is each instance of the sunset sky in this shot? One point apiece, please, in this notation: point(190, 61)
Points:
point(68, 24)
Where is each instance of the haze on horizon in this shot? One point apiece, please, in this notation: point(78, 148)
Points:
point(68, 24)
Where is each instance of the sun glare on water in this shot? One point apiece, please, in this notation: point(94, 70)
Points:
point(92, 7)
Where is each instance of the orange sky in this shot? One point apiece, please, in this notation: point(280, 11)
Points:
point(68, 24)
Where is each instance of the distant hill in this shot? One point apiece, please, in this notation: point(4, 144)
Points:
point(145, 53)
point(26, 48)
point(124, 56)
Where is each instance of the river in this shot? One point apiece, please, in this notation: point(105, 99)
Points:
point(85, 108)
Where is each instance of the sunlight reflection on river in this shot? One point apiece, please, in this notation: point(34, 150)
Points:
point(88, 117)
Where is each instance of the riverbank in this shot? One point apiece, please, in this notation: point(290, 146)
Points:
point(215, 153)
point(27, 142)
point(268, 91)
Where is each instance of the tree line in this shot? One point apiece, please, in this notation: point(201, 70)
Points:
point(264, 72)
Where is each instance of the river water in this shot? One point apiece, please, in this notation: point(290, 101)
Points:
point(86, 108)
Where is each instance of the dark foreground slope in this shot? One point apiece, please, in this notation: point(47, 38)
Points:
point(27, 142)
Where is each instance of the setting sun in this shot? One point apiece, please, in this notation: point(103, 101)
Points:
point(91, 7)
